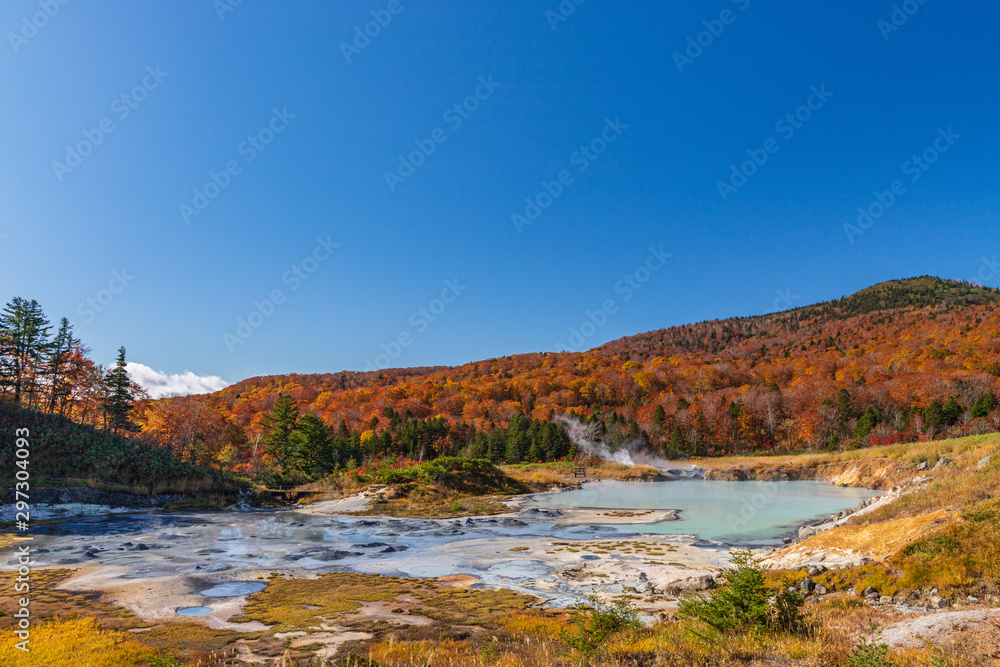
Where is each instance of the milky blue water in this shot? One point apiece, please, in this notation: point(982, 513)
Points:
point(232, 589)
point(751, 513)
point(194, 611)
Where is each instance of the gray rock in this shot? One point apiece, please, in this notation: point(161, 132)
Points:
point(922, 465)
point(807, 585)
point(820, 590)
point(938, 602)
point(705, 582)
point(807, 531)
point(984, 462)
point(942, 463)
point(885, 599)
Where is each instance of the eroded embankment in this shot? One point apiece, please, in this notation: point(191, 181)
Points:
point(930, 538)
point(874, 473)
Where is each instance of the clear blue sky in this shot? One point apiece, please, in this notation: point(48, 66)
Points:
point(550, 91)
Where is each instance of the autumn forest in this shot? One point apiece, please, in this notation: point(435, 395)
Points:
point(903, 361)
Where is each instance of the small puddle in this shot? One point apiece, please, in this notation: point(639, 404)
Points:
point(232, 589)
point(194, 611)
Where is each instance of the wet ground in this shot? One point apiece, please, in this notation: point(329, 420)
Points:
point(161, 564)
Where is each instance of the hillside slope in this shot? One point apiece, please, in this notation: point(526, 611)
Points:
point(900, 361)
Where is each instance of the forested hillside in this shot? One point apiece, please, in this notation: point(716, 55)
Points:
point(902, 361)
point(80, 418)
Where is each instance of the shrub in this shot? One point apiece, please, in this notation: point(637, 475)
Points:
point(596, 623)
point(869, 653)
point(744, 601)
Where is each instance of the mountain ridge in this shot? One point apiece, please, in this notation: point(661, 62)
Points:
point(898, 362)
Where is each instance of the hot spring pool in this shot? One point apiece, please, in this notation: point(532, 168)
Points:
point(751, 513)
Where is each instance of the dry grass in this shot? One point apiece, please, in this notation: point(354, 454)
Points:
point(559, 474)
point(47, 601)
point(875, 540)
point(427, 504)
point(961, 450)
point(290, 604)
point(72, 643)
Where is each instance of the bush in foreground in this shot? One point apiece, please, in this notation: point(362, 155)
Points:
point(744, 602)
point(594, 625)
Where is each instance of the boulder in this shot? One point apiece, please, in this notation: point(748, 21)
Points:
point(938, 602)
point(922, 465)
point(820, 590)
point(943, 462)
point(984, 462)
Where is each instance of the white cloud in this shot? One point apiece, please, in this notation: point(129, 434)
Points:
point(160, 384)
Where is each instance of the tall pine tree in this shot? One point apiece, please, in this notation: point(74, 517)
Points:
point(59, 364)
point(118, 402)
point(281, 423)
point(24, 345)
